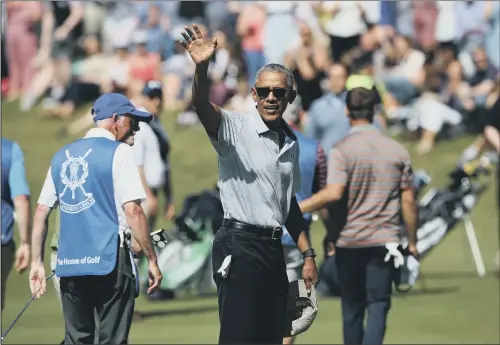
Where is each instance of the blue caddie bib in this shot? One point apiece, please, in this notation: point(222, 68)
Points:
point(307, 161)
point(89, 228)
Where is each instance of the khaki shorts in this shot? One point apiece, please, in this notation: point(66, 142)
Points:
point(293, 261)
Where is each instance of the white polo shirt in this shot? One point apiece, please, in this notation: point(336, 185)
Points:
point(147, 154)
point(126, 180)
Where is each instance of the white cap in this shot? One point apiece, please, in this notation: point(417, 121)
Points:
point(302, 308)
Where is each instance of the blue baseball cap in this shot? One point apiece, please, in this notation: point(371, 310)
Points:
point(110, 104)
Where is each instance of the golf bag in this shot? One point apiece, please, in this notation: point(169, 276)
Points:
point(440, 209)
point(185, 261)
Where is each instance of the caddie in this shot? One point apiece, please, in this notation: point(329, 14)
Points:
point(96, 184)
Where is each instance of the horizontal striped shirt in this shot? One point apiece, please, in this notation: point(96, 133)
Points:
point(374, 169)
point(320, 173)
point(257, 179)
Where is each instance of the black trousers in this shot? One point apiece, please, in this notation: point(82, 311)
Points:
point(113, 298)
point(253, 296)
point(8, 253)
point(366, 285)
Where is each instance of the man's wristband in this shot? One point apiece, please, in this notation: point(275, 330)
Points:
point(309, 253)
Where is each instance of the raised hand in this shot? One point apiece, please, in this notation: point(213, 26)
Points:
point(200, 48)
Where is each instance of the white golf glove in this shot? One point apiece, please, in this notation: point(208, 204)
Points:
point(224, 269)
point(393, 251)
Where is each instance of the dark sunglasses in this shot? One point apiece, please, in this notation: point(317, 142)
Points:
point(278, 92)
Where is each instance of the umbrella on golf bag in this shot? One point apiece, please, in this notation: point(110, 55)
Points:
point(440, 210)
point(186, 259)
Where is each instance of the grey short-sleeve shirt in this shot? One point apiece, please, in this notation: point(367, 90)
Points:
point(256, 179)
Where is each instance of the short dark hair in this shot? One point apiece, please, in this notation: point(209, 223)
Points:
point(277, 68)
point(360, 102)
point(153, 89)
point(156, 93)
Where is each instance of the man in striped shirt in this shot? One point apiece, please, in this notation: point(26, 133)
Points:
point(370, 177)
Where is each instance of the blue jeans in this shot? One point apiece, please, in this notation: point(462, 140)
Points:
point(401, 89)
point(365, 281)
point(254, 61)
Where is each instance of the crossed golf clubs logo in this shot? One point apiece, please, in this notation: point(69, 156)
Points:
point(74, 182)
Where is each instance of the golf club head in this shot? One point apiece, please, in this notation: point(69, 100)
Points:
point(160, 238)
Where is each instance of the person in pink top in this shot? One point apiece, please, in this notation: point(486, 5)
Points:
point(143, 65)
point(424, 23)
point(250, 26)
point(21, 16)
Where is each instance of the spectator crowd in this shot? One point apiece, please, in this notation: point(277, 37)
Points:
point(434, 63)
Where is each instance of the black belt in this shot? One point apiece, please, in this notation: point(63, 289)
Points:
point(275, 233)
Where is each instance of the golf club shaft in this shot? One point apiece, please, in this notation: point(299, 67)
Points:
point(22, 311)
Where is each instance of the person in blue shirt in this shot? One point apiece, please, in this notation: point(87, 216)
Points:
point(95, 183)
point(313, 170)
point(15, 208)
point(327, 120)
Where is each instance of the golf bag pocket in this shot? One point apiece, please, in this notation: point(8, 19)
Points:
point(126, 270)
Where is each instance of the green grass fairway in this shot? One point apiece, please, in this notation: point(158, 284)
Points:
point(457, 307)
